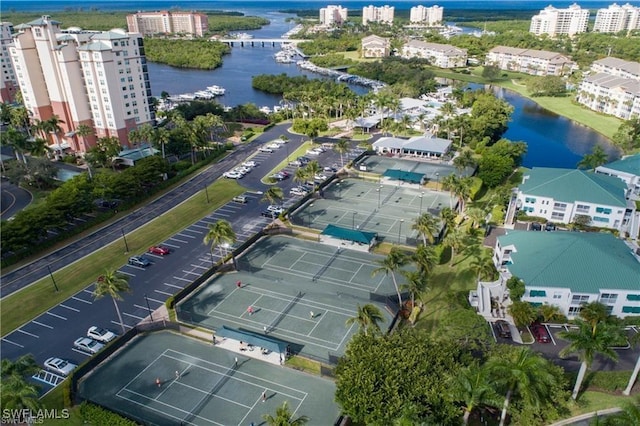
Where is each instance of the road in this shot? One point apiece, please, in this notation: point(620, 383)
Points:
point(53, 332)
point(14, 199)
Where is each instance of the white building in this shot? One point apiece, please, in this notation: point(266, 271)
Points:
point(529, 61)
point(333, 15)
point(552, 21)
point(559, 195)
point(628, 170)
point(566, 269)
point(98, 79)
point(427, 146)
point(613, 88)
point(617, 18)
point(383, 14)
point(439, 55)
point(429, 16)
point(165, 22)
point(375, 47)
point(8, 82)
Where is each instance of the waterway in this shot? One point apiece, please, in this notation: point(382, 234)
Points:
point(553, 141)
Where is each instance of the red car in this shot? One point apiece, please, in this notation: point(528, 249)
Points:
point(540, 333)
point(160, 250)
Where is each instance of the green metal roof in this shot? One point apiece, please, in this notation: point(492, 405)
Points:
point(570, 185)
point(255, 339)
point(405, 176)
point(585, 262)
point(629, 164)
point(349, 234)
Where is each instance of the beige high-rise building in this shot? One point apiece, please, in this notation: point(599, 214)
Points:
point(552, 21)
point(382, 14)
point(617, 18)
point(94, 78)
point(430, 16)
point(333, 15)
point(165, 22)
point(8, 83)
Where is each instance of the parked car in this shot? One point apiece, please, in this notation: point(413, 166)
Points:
point(273, 146)
point(232, 175)
point(295, 163)
point(304, 160)
point(242, 170)
point(503, 330)
point(331, 169)
point(159, 250)
point(239, 199)
point(88, 345)
point(101, 334)
point(265, 149)
point(276, 209)
point(298, 191)
point(284, 173)
point(280, 141)
point(540, 333)
point(269, 214)
point(250, 164)
point(535, 226)
point(140, 261)
point(313, 152)
point(278, 176)
point(320, 177)
point(550, 226)
point(59, 366)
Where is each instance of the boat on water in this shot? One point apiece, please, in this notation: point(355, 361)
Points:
point(204, 94)
point(265, 109)
point(216, 90)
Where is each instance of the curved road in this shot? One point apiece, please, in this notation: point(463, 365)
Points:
point(13, 199)
point(22, 277)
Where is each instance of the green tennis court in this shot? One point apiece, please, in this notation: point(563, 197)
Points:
point(299, 292)
point(388, 210)
point(432, 170)
point(201, 384)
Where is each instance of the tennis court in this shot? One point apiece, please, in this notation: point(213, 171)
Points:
point(432, 170)
point(200, 384)
point(388, 210)
point(299, 292)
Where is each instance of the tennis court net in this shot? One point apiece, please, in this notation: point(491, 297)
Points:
point(326, 265)
point(284, 313)
point(207, 397)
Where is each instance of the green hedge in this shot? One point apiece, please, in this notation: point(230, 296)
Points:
point(608, 381)
point(94, 415)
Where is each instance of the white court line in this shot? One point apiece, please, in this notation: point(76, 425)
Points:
point(13, 343)
point(186, 236)
point(250, 410)
point(164, 413)
point(346, 334)
point(133, 316)
point(317, 322)
point(82, 300)
point(55, 315)
point(163, 292)
point(324, 279)
point(310, 303)
point(170, 245)
point(120, 325)
point(173, 285)
point(27, 333)
point(180, 241)
point(69, 307)
point(181, 279)
point(42, 325)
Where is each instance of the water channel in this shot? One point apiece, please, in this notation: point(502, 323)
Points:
point(553, 141)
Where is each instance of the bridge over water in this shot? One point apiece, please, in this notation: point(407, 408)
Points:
point(259, 41)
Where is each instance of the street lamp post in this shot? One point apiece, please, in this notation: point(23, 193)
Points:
point(378, 191)
point(400, 230)
point(149, 307)
point(124, 237)
point(52, 279)
point(213, 262)
point(309, 215)
point(437, 180)
point(353, 220)
point(421, 195)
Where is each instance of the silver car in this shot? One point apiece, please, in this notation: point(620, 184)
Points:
point(100, 334)
point(85, 344)
point(59, 366)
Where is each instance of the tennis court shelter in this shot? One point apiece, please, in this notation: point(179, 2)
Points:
point(349, 238)
point(300, 292)
point(201, 384)
point(433, 170)
point(386, 210)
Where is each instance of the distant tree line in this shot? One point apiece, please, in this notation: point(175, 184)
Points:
point(200, 54)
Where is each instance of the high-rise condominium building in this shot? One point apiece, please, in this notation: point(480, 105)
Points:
point(333, 15)
point(382, 14)
point(8, 83)
point(92, 78)
point(430, 16)
point(617, 18)
point(552, 21)
point(164, 22)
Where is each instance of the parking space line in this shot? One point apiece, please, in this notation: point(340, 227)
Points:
point(157, 256)
point(181, 279)
point(199, 266)
point(180, 241)
point(186, 236)
point(195, 225)
point(13, 343)
point(88, 291)
point(191, 272)
point(120, 325)
point(214, 214)
point(69, 308)
point(170, 245)
point(156, 300)
point(191, 230)
point(142, 307)
point(133, 316)
point(27, 333)
point(80, 352)
point(42, 325)
point(82, 300)
point(129, 273)
point(163, 292)
point(56, 315)
point(173, 285)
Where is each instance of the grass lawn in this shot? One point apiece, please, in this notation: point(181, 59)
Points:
point(292, 156)
point(355, 55)
point(28, 303)
point(595, 401)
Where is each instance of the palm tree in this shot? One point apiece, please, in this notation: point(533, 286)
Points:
point(389, 265)
point(522, 372)
point(52, 126)
point(219, 233)
point(18, 141)
point(425, 258)
point(84, 130)
point(341, 147)
point(454, 240)
point(367, 317)
point(462, 189)
point(448, 217)
point(313, 168)
point(476, 215)
point(284, 417)
point(594, 313)
point(587, 341)
point(301, 175)
point(18, 394)
point(464, 159)
point(39, 147)
point(113, 284)
point(162, 136)
point(273, 195)
point(416, 284)
point(427, 226)
point(449, 183)
point(484, 267)
point(522, 313)
point(472, 386)
point(550, 312)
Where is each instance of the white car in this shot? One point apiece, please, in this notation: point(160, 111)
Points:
point(101, 334)
point(265, 149)
point(313, 152)
point(273, 146)
point(88, 345)
point(249, 164)
point(298, 191)
point(320, 177)
point(241, 170)
point(59, 366)
point(280, 141)
point(232, 175)
point(275, 209)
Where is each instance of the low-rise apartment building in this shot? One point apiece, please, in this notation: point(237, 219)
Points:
point(530, 61)
point(168, 22)
point(375, 47)
point(439, 55)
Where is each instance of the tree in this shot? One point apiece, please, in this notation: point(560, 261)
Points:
point(587, 341)
point(368, 318)
point(594, 313)
point(416, 284)
point(550, 313)
point(341, 147)
point(473, 387)
point(219, 233)
point(454, 240)
point(484, 267)
point(464, 160)
point(273, 195)
point(596, 158)
point(312, 169)
point(427, 226)
point(516, 288)
point(628, 135)
point(284, 417)
point(389, 265)
point(524, 373)
point(491, 72)
point(113, 284)
point(425, 258)
point(629, 416)
point(522, 313)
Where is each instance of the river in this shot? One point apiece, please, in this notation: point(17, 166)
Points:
point(553, 141)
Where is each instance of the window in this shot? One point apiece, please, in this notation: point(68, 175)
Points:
point(631, 309)
point(600, 219)
point(529, 200)
point(633, 297)
point(559, 206)
point(581, 208)
point(608, 298)
point(557, 295)
point(557, 216)
point(574, 310)
point(577, 299)
point(603, 210)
